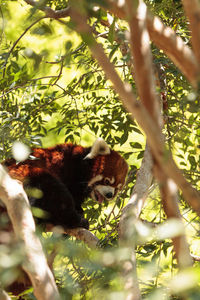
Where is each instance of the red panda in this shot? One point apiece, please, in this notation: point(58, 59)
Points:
point(66, 175)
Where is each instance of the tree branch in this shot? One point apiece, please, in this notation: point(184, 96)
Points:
point(170, 204)
point(167, 40)
point(140, 48)
point(137, 110)
point(192, 9)
point(84, 235)
point(174, 47)
point(129, 270)
point(195, 257)
point(143, 66)
point(49, 12)
point(132, 211)
point(35, 264)
point(141, 187)
point(4, 295)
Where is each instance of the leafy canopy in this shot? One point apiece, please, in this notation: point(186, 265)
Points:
point(52, 90)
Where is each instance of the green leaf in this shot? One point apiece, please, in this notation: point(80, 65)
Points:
point(111, 33)
point(136, 145)
point(43, 29)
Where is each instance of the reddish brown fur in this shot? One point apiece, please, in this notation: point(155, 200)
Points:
point(115, 166)
point(49, 159)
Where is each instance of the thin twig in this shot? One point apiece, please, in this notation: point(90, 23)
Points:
point(17, 41)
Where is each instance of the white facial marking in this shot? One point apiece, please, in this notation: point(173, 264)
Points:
point(111, 180)
point(95, 179)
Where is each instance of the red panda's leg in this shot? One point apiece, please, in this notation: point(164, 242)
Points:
point(56, 200)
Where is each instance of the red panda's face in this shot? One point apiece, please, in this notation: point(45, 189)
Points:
point(104, 188)
point(109, 173)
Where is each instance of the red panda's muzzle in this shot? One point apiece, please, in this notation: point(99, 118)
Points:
point(98, 197)
point(101, 192)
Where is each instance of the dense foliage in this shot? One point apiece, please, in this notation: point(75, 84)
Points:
point(52, 90)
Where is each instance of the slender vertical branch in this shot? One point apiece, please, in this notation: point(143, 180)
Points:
point(144, 69)
point(127, 222)
point(169, 197)
point(129, 268)
point(141, 187)
point(140, 48)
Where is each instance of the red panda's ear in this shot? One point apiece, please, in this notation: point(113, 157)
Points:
point(99, 148)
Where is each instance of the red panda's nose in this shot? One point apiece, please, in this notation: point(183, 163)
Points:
point(109, 195)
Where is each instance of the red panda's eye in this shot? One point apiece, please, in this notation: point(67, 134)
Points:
point(107, 181)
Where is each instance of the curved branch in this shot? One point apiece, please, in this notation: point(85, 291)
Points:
point(35, 264)
point(49, 12)
point(84, 235)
